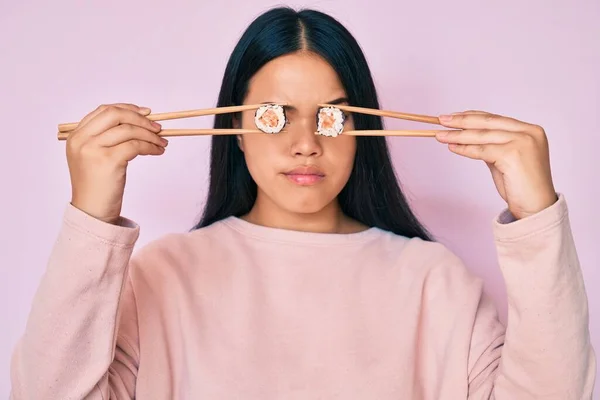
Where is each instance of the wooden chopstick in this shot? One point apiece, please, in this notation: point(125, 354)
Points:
point(67, 127)
point(187, 132)
point(407, 133)
point(383, 113)
point(196, 132)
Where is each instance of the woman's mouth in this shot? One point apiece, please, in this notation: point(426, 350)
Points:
point(305, 175)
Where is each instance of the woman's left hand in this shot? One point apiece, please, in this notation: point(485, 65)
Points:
point(516, 153)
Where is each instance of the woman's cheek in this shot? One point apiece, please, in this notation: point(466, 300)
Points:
point(260, 158)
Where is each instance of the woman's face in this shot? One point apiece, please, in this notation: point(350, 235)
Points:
point(296, 170)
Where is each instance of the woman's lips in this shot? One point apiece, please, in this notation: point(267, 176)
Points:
point(305, 175)
point(305, 179)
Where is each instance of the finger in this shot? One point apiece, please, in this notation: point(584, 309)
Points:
point(471, 112)
point(113, 116)
point(141, 110)
point(124, 132)
point(477, 136)
point(129, 150)
point(490, 153)
point(484, 121)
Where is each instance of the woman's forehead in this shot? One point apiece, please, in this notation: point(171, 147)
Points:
point(296, 78)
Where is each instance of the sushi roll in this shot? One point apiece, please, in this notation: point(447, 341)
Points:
point(270, 118)
point(330, 121)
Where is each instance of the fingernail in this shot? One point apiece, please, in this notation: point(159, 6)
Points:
point(165, 142)
point(442, 134)
point(145, 110)
point(156, 125)
point(445, 118)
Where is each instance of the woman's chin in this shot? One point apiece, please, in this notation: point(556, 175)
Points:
point(304, 202)
point(304, 205)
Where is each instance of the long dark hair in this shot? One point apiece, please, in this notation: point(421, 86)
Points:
point(372, 194)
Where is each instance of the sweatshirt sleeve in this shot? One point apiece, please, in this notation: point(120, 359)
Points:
point(80, 340)
point(545, 352)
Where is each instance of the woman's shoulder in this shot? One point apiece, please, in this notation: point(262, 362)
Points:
point(436, 255)
point(174, 258)
point(173, 243)
point(429, 262)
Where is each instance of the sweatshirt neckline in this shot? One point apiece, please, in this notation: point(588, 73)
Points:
point(300, 237)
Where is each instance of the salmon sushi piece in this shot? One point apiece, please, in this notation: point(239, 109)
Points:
point(270, 118)
point(330, 121)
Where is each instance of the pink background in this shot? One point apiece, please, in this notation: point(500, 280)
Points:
point(535, 60)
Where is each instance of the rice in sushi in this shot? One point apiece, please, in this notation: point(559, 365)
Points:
point(330, 121)
point(270, 118)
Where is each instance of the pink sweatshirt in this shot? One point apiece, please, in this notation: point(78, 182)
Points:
point(241, 311)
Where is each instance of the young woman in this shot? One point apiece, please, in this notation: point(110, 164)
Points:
point(308, 276)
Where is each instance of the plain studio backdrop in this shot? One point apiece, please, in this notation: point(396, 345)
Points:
point(537, 61)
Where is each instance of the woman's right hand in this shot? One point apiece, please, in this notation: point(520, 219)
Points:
point(98, 152)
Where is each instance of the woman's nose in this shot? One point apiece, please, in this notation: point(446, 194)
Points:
point(304, 141)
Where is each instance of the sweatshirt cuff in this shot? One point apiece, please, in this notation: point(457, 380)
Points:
point(507, 228)
point(124, 234)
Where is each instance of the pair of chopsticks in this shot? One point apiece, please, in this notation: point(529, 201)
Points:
point(65, 129)
point(392, 114)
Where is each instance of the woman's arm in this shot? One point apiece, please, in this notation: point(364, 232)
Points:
point(80, 341)
point(546, 351)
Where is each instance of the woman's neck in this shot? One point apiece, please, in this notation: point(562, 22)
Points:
point(329, 219)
